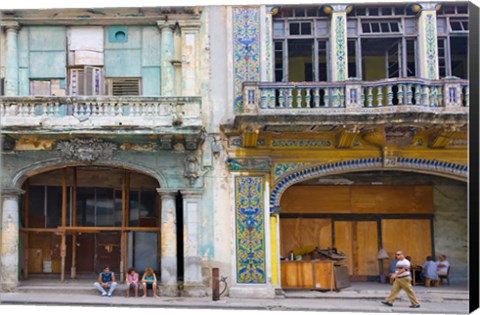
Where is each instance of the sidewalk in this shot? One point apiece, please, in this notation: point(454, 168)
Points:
point(361, 297)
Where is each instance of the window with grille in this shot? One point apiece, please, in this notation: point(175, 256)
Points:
point(124, 86)
point(86, 81)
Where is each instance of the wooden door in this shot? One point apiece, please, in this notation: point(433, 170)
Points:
point(358, 240)
point(85, 254)
point(108, 251)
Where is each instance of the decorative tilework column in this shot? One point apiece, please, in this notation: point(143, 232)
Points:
point(9, 246)
point(193, 281)
point(11, 67)
point(246, 50)
point(167, 71)
point(338, 41)
point(168, 285)
point(190, 57)
point(427, 40)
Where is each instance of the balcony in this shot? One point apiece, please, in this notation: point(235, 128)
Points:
point(151, 114)
point(356, 97)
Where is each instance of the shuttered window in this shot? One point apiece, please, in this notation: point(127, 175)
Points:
point(124, 86)
point(86, 81)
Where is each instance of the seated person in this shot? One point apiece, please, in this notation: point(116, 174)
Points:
point(132, 281)
point(430, 269)
point(442, 265)
point(106, 280)
point(149, 281)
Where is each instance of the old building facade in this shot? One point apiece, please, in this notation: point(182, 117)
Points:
point(230, 136)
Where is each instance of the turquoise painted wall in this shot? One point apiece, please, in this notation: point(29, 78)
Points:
point(136, 56)
point(48, 55)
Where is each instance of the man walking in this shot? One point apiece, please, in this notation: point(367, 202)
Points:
point(402, 281)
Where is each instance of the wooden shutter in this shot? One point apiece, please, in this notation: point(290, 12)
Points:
point(124, 86)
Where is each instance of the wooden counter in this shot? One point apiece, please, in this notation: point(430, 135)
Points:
point(315, 274)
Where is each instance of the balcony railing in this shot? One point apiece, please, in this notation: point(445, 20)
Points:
point(103, 111)
point(389, 95)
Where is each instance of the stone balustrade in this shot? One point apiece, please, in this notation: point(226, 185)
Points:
point(103, 111)
point(389, 95)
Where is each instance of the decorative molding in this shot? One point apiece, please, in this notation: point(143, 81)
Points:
point(249, 164)
point(191, 167)
point(86, 150)
point(302, 143)
point(282, 168)
point(340, 47)
point(431, 45)
point(250, 229)
point(390, 162)
point(246, 50)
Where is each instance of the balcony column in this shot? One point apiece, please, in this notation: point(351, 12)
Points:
point(193, 282)
point(338, 41)
point(266, 42)
point(11, 67)
point(10, 231)
point(166, 57)
point(427, 39)
point(190, 62)
point(168, 283)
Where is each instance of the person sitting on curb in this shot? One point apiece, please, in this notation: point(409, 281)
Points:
point(132, 282)
point(149, 281)
point(106, 280)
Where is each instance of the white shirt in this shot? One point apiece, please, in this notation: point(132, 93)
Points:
point(443, 269)
point(403, 264)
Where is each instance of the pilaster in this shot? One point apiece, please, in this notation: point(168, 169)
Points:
point(167, 71)
point(427, 39)
point(190, 56)
point(338, 41)
point(9, 246)
point(11, 67)
point(193, 281)
point(168, 283)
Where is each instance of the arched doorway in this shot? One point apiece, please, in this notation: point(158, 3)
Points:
point(360, 213)
point(74, 220)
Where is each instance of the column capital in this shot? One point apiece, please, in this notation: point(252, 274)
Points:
point(189, 24)
point(10, 26)
point(337, 8)
point(192, 192)
point(166, 24)
point(167, 191)
point(13, 192)
point(425, 6)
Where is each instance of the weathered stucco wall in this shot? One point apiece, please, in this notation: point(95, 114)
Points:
point(451, 227)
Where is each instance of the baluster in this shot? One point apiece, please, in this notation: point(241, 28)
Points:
point(409, 94)
point(31, 109)
point(2, 109)
point(298, 97)
point(342, 97)
point(418, 101)
point(426, 95)
point(440, 96)
point(467, 96)
point(281, 98)
point(88, 107)
point(362, 96)
point(379, 96)
point(400, 99)
point(289, 97)
point(316, 97)
point(271, 97)
point(336, 97)
point(308, 97)
point(327, 97)
point(433, 96)
point(263, 97)
point(370, 96)
point(57, 109)
point(389, 94)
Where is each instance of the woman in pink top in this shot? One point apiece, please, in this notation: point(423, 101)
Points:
point(132, 281)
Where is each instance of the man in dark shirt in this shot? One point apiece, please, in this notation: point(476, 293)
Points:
point(106, 281)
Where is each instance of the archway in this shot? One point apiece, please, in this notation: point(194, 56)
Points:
point(76, 219)
point(358, 213)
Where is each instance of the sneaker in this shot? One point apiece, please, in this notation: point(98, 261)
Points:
point(387, 303)
point(415, 306)
point(109, 294)
point(104, 294)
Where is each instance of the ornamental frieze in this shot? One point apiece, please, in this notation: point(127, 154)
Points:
point(86, 150)
point(249, 164)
